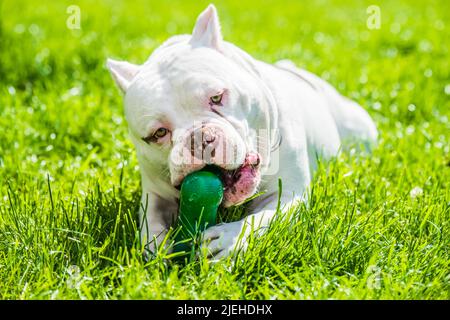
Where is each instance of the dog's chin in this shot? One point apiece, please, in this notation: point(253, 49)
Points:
point(238, 184)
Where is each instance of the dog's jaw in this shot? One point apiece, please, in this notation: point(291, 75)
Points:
point(239, 184)
point(242, 183)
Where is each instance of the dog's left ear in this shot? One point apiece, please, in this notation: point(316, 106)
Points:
point(122, 72)
point(207, 29)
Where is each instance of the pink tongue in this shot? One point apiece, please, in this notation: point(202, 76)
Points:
point(244, 172)
point(252, 159)
point(243, 182)
point(241, 186)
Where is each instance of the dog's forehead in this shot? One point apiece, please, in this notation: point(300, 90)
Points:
point(182, 63)
point(176, 82)
point(180, 77)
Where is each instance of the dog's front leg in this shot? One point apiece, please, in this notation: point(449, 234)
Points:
point(223, 239)
point(155, 217)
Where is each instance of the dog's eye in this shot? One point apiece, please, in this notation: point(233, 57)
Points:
point(160, 133)
point(216, 100)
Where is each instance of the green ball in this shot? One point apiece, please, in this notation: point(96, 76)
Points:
point(200, 197)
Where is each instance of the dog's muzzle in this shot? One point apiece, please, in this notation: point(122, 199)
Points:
point(217, 145)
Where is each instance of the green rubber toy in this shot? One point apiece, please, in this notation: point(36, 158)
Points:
point(200, 196)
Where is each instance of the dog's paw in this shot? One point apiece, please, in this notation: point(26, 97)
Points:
point(222, 240)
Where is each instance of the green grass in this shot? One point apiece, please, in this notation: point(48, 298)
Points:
point(70, 185)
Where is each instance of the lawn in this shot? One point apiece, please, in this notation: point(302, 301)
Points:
point(376, 227)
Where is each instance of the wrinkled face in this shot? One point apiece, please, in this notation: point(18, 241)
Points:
point(191, 106)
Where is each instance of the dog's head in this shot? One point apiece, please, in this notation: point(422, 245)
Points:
point(195, 102)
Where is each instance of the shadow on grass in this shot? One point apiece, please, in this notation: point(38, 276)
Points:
point(97, 229)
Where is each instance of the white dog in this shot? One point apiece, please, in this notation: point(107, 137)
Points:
point(200, 100)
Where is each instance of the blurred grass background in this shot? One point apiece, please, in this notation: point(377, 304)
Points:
point(69, 180)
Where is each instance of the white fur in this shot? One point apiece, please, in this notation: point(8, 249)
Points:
point(312, 118)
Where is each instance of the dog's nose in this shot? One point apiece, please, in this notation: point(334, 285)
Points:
point(208, 145)
point(203, 142)
point(208, 138)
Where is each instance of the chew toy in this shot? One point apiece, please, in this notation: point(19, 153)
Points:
point(200, 196)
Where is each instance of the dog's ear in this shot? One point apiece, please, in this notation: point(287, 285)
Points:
point(122, 72)
point(207, 29)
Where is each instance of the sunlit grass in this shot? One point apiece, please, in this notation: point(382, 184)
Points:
point(376, 227)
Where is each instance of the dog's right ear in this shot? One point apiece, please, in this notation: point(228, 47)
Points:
point(122, 72)
point(207, 29)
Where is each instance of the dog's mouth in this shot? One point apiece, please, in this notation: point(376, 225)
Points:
point(238, 184)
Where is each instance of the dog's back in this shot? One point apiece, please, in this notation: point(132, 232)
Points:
point(353, 122)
